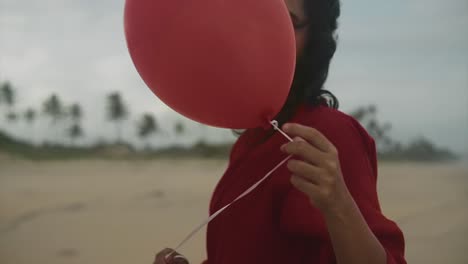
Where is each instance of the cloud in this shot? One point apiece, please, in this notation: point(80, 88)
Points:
point(437, 8)
point(412, 27)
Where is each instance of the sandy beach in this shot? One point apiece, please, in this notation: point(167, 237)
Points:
point(118, 212)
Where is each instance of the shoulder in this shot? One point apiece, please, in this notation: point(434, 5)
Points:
point(337, 126)
point(355, 146)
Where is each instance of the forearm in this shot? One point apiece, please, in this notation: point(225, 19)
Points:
point(353, 241)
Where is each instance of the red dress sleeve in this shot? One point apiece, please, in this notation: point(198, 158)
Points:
point(359, 167)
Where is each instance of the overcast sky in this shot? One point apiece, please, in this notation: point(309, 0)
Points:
point(409, 57)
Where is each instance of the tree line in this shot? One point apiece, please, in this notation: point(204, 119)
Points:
point(419, 148)
point(71, 116)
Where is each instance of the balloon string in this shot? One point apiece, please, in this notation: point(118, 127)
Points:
point(274, 123)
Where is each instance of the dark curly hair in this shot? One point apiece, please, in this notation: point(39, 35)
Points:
point(313, 64)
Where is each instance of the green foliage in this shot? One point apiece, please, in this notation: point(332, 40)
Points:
point(53, 108)
point(179, 128)
point(147, 126)
point(116, 112)
point(116, 109)
point(12, 117)
point(367, 116)
point(419, 149)
point(75, 131)
point(30, 115)
point(75, 112)
point(7, 94)
point(104, 151)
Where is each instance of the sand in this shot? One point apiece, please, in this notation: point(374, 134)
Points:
point(124, 212)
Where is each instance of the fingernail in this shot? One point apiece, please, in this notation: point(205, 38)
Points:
point(285, 126)
point(298, 139)
point(283, 147)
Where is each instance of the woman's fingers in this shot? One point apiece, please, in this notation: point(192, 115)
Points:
point(161, 256)
point(169, 256)
point(311, 135)
point(179, 259)
point(304, 185)
point(303, 149)
point(305, 170)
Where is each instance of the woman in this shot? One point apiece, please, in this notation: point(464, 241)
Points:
point(323, 206)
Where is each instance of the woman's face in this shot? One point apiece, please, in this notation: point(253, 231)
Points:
point(299, 19)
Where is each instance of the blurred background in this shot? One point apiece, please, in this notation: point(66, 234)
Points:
point(95, 169)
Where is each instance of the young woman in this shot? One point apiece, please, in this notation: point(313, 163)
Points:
point(323, 206)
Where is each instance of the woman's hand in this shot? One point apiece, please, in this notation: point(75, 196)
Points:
point(169, 256)
point(318, 173)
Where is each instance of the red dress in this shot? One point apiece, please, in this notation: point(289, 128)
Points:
point(276, 223)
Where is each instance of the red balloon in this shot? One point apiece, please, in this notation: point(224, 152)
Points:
point(225, 63)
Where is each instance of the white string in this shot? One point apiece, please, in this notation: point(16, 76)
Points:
point(274, 123)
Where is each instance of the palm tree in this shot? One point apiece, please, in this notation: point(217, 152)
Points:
point(179, 128)
point(147, 126)
point(8, 97)
point(30, 115)
point(372, 109)
point(12, 117)
point(367, 116)
point(53, 108)
point(76, 113)
point(74, 132)
point(117, 112)
point(359, 114)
